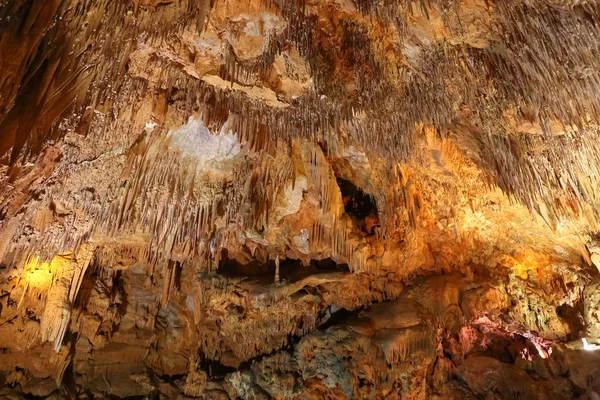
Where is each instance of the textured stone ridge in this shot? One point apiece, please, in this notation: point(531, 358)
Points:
point(299, 200)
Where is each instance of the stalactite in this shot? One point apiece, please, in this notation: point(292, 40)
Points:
point(168, 283)
point(407, 342)
point(62, 294)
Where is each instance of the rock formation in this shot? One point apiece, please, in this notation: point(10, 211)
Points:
point(316, 199)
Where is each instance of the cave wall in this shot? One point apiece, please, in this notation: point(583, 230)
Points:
point(184, 189)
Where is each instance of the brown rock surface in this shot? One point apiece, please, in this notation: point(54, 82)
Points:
point(299, 200)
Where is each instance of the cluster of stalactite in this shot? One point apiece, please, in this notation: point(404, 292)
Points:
point(542, 64)
point(526, 64)
point(54, 61)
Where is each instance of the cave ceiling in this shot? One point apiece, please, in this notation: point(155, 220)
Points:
point(310, 199)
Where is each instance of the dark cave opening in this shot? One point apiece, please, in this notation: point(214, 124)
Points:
point(214, 369)
point(360, 206)
point(232, 268)
point(570, 314)
point(290, 270)
point(338, 315)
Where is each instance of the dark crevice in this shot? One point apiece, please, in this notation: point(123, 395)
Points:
point(231, 268)
point(360, 206)
point(327, 264)
point(290, 270)
point(572, 315)
point(214, 369)
point(338, 316)
point(171, 378)
point(29, 396)
point(68, 384)
point(177, 279)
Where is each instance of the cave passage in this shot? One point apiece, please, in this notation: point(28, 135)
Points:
point(290, 270)
point(359, 205)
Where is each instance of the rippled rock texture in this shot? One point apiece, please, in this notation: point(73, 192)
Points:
point(312, 199)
